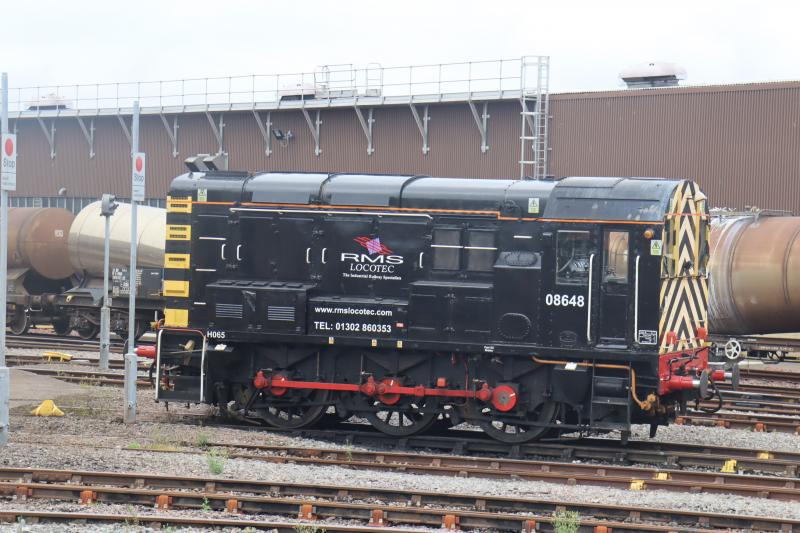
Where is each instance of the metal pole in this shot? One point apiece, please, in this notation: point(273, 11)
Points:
point(130, 356)
point(105, 312)
point(5, 377)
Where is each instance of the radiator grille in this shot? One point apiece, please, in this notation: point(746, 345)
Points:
point(280, 313)
point(229, 310)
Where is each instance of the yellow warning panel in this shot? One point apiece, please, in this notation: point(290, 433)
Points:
point(176, 260)
point(179, 205)
point(179, 232)
point(177, 318)
point(176, 289)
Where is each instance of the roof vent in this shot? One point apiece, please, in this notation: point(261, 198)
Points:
point(653, 74)
point(207, 162)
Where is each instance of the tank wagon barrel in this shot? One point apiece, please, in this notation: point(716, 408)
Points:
point(755, 275)
point(87, 234)
point(37, 239)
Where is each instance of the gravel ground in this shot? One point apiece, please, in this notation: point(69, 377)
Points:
point(69, 443)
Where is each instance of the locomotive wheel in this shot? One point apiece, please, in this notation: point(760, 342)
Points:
point(88, 332)
point(401, 420)
point(296, 416)
point(20, 322)
point(61, 327)
point(511, 433)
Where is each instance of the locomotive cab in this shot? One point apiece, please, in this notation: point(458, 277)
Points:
point(529, 308)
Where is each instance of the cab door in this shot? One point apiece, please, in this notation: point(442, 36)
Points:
point(615, 292)
point(567, 300)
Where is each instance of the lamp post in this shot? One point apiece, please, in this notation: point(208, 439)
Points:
point(108, 205)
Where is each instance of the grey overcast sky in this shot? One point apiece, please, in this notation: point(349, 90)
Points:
point(45, 42)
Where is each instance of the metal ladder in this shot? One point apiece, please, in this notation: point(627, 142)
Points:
point(533, 139)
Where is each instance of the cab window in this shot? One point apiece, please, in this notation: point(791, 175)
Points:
point(572, 258)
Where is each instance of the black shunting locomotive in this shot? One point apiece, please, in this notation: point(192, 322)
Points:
point(528, 308)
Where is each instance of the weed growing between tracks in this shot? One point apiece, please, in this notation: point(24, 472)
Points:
point(566, 521)
point(216, 460)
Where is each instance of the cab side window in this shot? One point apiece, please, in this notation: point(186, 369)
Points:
point(572, 258)
point(615, 260)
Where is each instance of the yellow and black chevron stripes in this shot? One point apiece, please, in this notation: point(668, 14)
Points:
point(684, 288)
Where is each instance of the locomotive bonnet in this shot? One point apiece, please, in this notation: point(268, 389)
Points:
point(530, 308)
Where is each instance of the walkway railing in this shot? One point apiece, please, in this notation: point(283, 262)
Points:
point(330, 82)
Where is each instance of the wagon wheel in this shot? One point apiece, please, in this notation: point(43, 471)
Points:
point(88, 332)
point(518, 433)
point(61, 326)
point(20, 322)
point(141, 327)
point(777, 355)
point(286, 415)
point(402, 420)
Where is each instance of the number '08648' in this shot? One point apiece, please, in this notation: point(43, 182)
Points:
point(564, 300)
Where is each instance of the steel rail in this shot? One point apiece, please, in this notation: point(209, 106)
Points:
point(614, 476)
point(753, 422)
point(472, 443)
point(774, 375)
point(44, 483)
point(157, 520)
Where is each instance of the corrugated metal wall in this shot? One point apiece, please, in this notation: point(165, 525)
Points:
point(742, 143)
point(453, 137)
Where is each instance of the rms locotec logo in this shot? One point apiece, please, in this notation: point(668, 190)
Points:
point(378, 259)
point(373, 246)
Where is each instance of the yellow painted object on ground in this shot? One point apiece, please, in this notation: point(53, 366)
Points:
point(61, 356)
point(47, 408)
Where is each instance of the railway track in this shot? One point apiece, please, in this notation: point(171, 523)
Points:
point(89, 377)
point(606, 475)
point(387, 506)
point(770, 375)
point(51, 341)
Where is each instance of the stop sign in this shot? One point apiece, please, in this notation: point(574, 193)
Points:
point(8, 165)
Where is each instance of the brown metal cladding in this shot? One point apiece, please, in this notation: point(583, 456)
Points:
point(453, 137)
point(740, 142)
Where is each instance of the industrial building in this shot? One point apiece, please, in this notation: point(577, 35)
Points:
point(740, 142)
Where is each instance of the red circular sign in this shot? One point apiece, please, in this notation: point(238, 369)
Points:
point(9, 147)
point(139, 163)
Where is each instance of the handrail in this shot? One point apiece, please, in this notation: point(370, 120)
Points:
point(589, 303)
point(636, 302)
point(325, 82)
